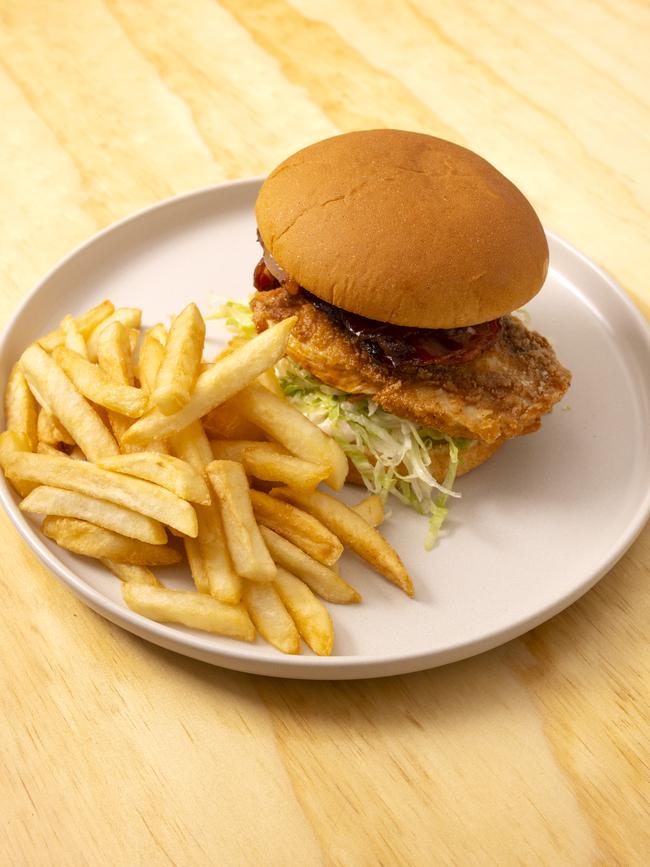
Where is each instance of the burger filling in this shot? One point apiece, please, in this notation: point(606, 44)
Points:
point(392, 346)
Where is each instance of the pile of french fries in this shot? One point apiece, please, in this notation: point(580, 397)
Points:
point(141, 454)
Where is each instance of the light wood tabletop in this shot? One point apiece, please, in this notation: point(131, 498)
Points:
point(115, 752)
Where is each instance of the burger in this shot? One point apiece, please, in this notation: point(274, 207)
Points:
point(406, 259)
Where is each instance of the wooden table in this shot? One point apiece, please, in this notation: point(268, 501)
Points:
point(114, 752)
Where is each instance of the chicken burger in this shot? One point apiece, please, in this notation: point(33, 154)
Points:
point(403, 257)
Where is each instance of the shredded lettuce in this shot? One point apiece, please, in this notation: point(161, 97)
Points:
point(390, 453)
point(238, 316)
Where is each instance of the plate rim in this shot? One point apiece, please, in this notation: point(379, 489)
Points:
point(239, 657)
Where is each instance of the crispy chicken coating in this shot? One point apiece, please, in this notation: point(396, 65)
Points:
point(501, 394)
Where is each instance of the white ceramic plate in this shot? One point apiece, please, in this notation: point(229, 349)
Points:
point(537, 526)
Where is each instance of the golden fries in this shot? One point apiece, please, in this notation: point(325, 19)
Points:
point(233, 450)
point(223, 582)
point(225, 422)
point(321, 579)
point(196, 564)
point(354, 531)
point(97, 386)
point(114, 456)
point(179, 368)
point(86, 478)
point(11, 443)
point(270, 462)
point(82, 537)
point(271, 618)
point(21, 409)
point(149, 361)
point(210, 561)
point(72, 337)
point(192, 445)
point(114, 356)
point(48, 449)
point(114, 353)
point(309, 614)
point(217, 384)
point(270, 380)
point(62, 399)
point(50, 430)
point(371, 509)
point(272, 466)
point(46, 500)
point(172, 473)
point(298, 527)
point(130, 317)
point(247, 549)
point(285, 424)
point(85, 324)
point(189, 609)
point(129, 572)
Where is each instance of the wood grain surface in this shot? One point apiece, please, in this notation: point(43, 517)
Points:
point(115, 752)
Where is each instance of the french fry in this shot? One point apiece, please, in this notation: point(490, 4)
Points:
point(63, 400)
point(210, 561)
point(81, 537)
point(270, 466)
point(114, 353)
point(172, 473)
point(48, 449)
point(223, 581)
point(197, 567)
point(245, 544)
point(50, 430)
point(285, 424)
point(192, 445)
point(159, 332)
point(128, 572)
point(21, 409)
point(179, 368)
point(189, 609)
point(233, 450)
point(12, 443)
point(371, 509)
point(150, 358)
point(309, 614)
point(270, 617)
point(322, 580)
point(225, 422)
point(134, 336)
point(270, 380)
point(97, 386)
point(86, 324)
point(130, 317)
point(217, 384)
point(47, 500)
point(86, 478)
point(354, 531)
point(76, 454)
point(72, 337)
point(298, 527)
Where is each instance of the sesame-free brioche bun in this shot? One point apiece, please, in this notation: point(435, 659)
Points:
point(403, 228)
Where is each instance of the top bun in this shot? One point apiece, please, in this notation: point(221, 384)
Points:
point(403, 228)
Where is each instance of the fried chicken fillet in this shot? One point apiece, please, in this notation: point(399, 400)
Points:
point(499, 395)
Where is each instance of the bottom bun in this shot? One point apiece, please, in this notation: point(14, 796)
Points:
point(470, 458)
